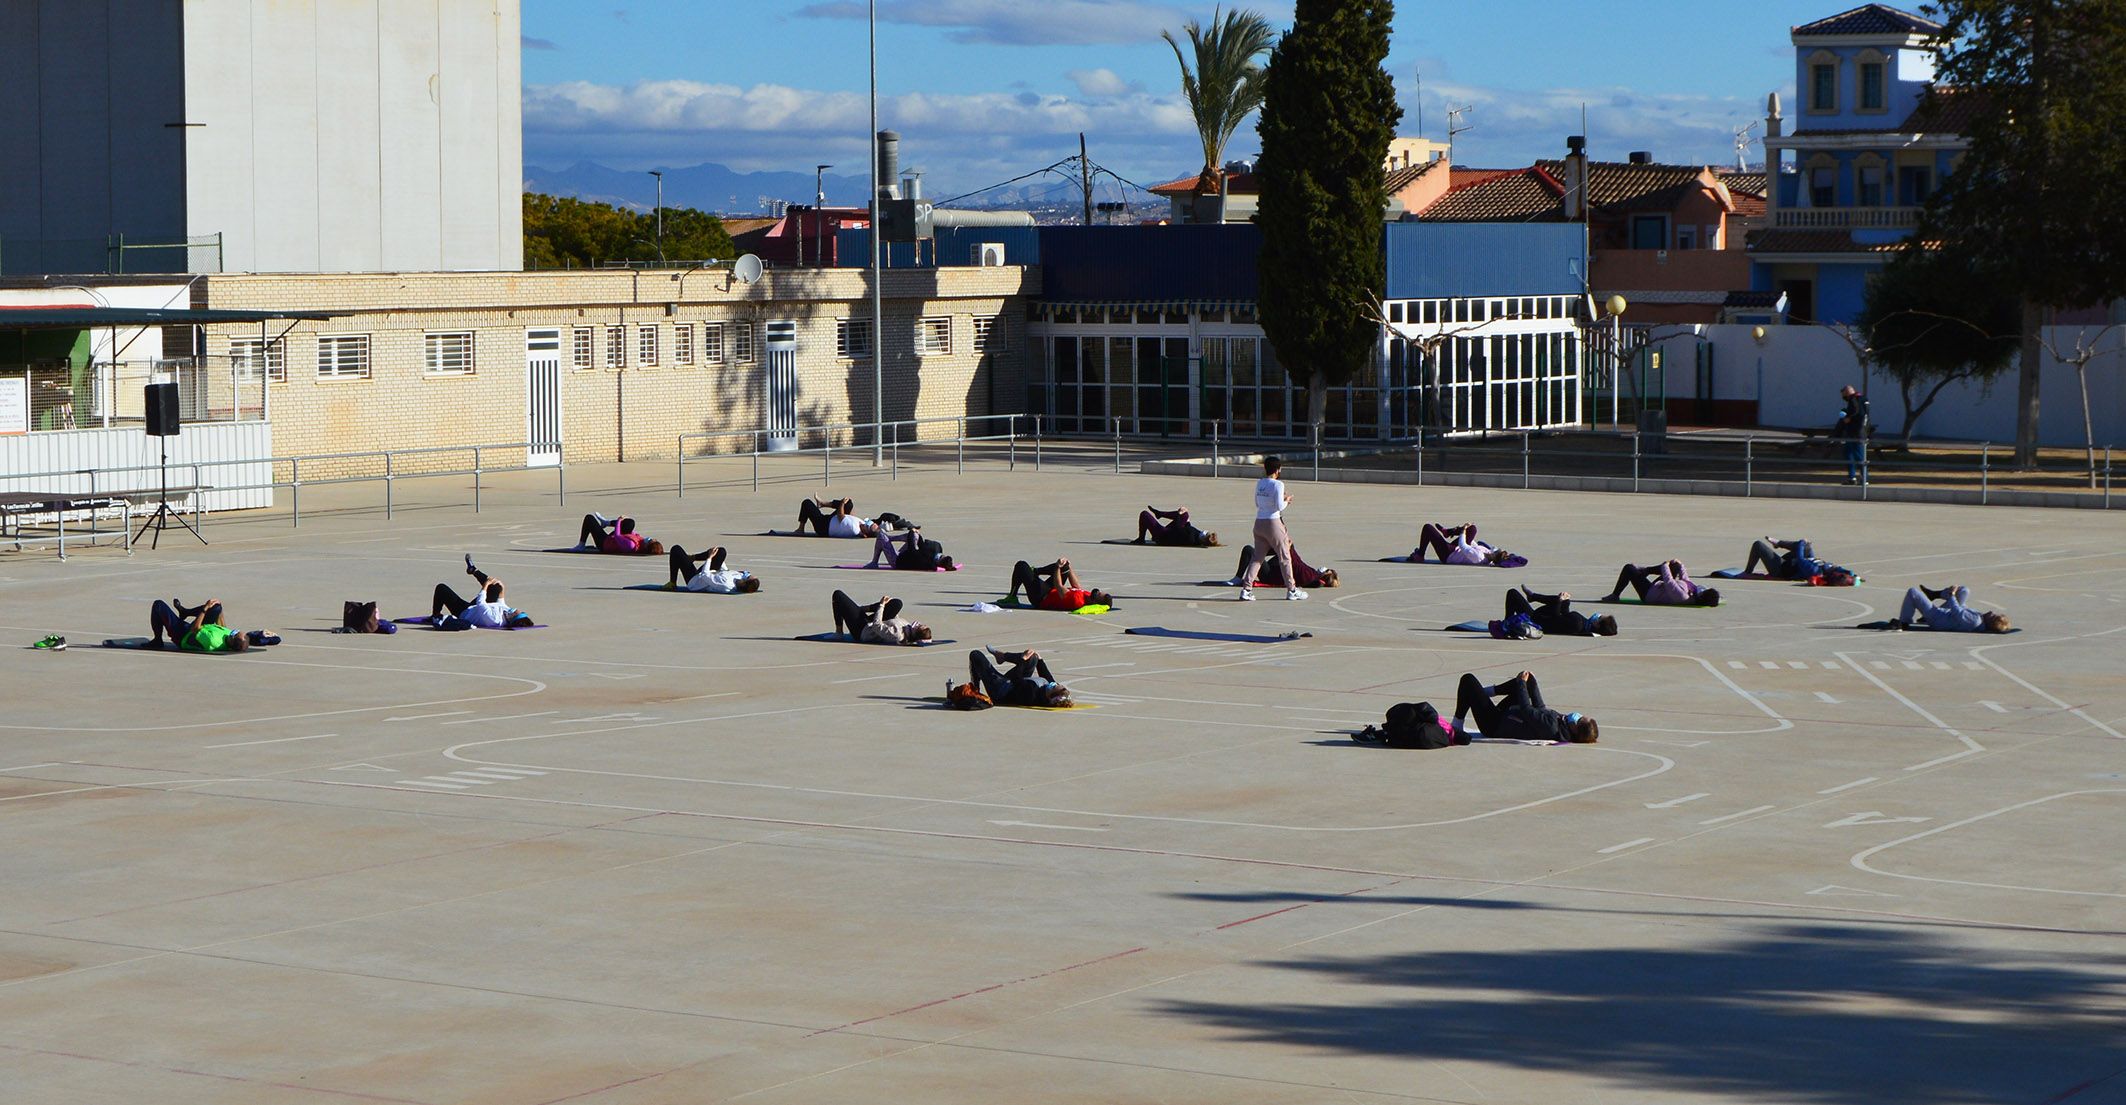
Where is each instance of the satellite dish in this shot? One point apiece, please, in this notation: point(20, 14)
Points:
point(747, 269)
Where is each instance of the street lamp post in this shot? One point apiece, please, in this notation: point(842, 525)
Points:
point(878, 299)
point(1615, 308)
point(660, 214)
point(819, 217)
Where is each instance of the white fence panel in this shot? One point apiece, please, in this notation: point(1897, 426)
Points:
point(93, 460)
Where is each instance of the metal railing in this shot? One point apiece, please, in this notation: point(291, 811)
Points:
point(1844, 218)
point(63, 396)
point(1016, 427)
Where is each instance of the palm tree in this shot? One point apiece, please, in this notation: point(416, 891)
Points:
point(1226, 85)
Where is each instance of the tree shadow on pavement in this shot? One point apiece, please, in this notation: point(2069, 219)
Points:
point(1834, 1013)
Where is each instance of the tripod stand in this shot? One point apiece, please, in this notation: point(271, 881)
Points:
point(163, 516)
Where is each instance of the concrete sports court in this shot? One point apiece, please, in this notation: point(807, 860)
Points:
point(661, 852)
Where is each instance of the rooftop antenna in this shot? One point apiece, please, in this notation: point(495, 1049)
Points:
point(1455, 126)
point(1742, 146)
point(1420, 72)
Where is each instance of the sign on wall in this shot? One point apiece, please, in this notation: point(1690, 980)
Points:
point(15, 405)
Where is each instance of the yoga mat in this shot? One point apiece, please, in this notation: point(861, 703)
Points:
point(1513, 561)
point(837, 638)
point(1478, 625)
point(131, 642)
point(1089, 610)
point(1203, 635)
point(890, 568)
point(1737, 573)
point(1150, 544)
point(675, 590)
point(1629, 600)
point(429, 623)
point(1258, 583)
point(579, 549)
point(1922, 627)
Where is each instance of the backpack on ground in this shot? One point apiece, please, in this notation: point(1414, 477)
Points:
point(1832, 576)
point(1519, 627)
point(966, 696)
point(358, 617)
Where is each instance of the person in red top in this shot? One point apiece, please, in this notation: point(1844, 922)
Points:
point(1054, 587)
point(617, 536)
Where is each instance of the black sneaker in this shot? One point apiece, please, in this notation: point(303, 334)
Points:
point(1371, 734)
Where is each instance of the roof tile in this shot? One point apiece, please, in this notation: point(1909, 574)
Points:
point(1869, 19)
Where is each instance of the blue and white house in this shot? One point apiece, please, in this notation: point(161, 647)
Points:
point(1873, 137)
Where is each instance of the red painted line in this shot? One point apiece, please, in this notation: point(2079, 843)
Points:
point(1260, 916)
point(602, 1089)
point(210, 1074)
point(1318, 901)
point(2072, 1091)
point(971, 993)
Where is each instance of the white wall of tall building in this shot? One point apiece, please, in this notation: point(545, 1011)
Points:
point(356, 135)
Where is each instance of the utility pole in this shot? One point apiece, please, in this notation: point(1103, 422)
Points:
point(819, 217)
point(1085, 178)
point(660, 214)
point(878, 293)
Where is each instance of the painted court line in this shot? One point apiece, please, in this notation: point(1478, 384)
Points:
point(432, 783)
point(504, 717)
point(1848, 786)
point(1736, 816)
point(876, 678)
point(276, 740)
point(1626, 844)
point(1674, 802)
point(1993, 706)
point(1824, 696)
point(424, 717)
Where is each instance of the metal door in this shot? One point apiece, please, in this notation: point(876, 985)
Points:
point(779, 410)
point(542, 397)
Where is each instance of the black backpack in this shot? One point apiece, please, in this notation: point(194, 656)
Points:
point(1414, 725)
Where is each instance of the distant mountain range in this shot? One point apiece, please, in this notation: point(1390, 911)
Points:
point(720, 189)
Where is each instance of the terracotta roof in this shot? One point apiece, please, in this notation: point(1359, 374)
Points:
point(1944, 111)
point(1815, 241)
point(1745, 184)
point(1399, 179)
point(736, 226)
point(1870, 19)
point(1624, 184)
point(1206, 184)
point(1513, 195)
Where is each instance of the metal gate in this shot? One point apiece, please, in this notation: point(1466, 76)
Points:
point(779, 409)
point(542, 397)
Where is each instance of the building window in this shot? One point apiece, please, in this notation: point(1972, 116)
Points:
point(1823, 187)
point(254, 355)
point(1870, 178)
point(988, 335)
point(447, 354)
point(582, 353)
point(852, 338)
point(683, 343)
point(1914, 184)
point(742, 342)
point(616, 347)
point(1871, 86)
point(1686, 237)
point(1823, 87)
point(343, 357)
point(934, 337)
point(712, 343)
point(1649, 232)
point(646, 344)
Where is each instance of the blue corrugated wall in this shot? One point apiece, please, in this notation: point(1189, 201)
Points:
point(1453, 260)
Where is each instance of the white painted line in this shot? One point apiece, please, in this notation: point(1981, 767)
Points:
point(505, 717)
point(431, 783)
point(424, 717)
point(1096, 667)
point(1736, 816)
point(511, 771)
point(1798, 665)
point(1737, 664)
point(361, 767)
point(1832, 665)
point(1824, 696)
point(1973, 665)
point(1834, 890)
point(1873, 817)
point(1039, 825)
point(1674, 802)
point(453, 779)
point(1849, 786)
point(495, 776)
point(1971, 747)
point(1939, 760)
point(1912, 665)
point(876, 678)
point(1771, 664)
point(276, 740)
point(1993, 706)
point(1878, 665)
point(1679, 744)
point(1941, 665)
point(1626, 844)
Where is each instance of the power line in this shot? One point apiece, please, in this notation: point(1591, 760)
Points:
point(1000, 184)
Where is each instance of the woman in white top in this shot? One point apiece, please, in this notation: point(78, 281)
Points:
point(706, 572)
point(1270, 536)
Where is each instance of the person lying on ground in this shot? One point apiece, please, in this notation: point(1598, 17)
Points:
point(193, 628)
point(1455, 546)
point(485, 610)
point(1026, 682)
point(1519, 713)
point(1664, 584)
point(1794, 559)
point(1412, 725)
point(615, 535)
point(838, 518)
point(879, 623)
point(705, 572)
point(1054, 587)
point(1174, 531)
point(1273, 571)
point(1946, 609)
point(1554, 614)
point(915, 554)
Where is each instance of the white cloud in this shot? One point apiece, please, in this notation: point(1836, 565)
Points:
point(1510, 127)
point(1019, 22)
point(1100, 83)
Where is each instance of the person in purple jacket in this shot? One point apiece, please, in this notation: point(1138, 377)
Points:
point(1665, 584)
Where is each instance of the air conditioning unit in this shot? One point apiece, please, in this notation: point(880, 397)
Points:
point(989, 255)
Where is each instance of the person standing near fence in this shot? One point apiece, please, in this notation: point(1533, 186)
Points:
point(1852, 429)
point(1270, 536)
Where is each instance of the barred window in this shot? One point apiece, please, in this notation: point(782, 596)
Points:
point(616, 347)
point(683, 343)
point(852, 337)
point(988, 335)
point(934, 336)
point(646, 341)
point(712, 343)
point(447, 354)
point(343, 357)
point(742, 341)
point(582, 351)
point(253, 355)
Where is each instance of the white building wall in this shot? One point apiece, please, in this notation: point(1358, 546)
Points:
point(356, 135)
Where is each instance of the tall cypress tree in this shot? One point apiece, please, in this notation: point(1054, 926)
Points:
point(1328, 112)
point(2040, 200)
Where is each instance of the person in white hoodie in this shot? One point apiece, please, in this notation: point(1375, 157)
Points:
point(1271, 499)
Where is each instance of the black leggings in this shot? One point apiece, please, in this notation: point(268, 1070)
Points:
point(809, 514)
point(1023, 576)
point(595, 532)
point(1775, 561)
point(1435, 541)
point(1472, 697)
point(447, 599)
point(1636, 578)
point(1272, 569)
point(850, 618)
point(684, 566)
point(998, 685)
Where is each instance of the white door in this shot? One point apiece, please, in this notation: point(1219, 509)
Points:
point(542, 397)
point(780, 367)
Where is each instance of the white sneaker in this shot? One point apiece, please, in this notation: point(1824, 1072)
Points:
point(1247, 592)
point(1294, 594)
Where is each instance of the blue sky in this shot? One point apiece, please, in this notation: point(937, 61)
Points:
point(983, 90)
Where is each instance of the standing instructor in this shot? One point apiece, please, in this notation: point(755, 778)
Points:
point(1270, 537)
